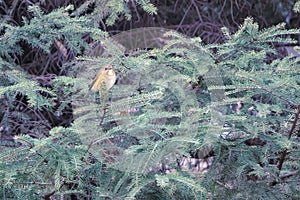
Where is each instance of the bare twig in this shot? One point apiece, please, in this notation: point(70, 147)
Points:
point(284, 153)
point(48, 195)
point(292, 173)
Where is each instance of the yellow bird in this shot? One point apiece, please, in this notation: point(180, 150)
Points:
point(105, 79)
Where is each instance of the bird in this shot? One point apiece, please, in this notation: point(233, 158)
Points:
point(105, 79)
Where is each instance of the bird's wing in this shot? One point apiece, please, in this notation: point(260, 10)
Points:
point(97, 82)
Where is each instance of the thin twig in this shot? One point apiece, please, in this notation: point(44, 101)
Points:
point(104, 109)
point(48, 195)
point(284, 153)
point(292, 173)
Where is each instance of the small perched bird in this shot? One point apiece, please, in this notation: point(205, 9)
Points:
point(105, 79)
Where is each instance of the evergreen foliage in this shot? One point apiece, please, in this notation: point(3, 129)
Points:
point(238, 101)
point(296, 7)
